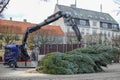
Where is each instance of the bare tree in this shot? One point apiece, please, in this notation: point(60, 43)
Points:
point(90, 40)
point(116, 41)
point(71, 38)
point(3, 5)
point(118, 3)
point(42, 36)
point(9, 34)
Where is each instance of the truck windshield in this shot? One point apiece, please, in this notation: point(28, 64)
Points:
point(7, 50)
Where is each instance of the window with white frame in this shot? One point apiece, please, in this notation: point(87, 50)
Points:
point(94, 23)
point(101, 33)
point(94, 31)
point(83, 31)
point(113, 34)
point(87, 31)
point(108, 34)
point(114, 26)
point(104, 25)
point(105, 34)
point(84, 22)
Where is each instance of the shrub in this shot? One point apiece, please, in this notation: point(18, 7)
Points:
point(55, 63)
point(81, 60)
point(102, 55)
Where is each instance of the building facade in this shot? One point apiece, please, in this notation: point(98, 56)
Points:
point(95, 27)
point(13, 32)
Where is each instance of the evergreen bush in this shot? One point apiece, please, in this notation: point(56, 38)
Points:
point(81, 60)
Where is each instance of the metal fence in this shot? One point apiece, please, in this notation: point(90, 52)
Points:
point(48, 48)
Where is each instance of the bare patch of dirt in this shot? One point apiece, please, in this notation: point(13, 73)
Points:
point(31, 71)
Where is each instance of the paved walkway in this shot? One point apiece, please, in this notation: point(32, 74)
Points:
point(111, 73)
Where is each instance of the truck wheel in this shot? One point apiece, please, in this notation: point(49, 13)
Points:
point(11, 64)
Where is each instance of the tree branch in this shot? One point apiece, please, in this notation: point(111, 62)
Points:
point(4, 5)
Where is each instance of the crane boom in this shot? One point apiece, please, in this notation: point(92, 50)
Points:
point(47, 21)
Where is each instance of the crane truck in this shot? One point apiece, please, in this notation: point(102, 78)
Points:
point(15, 52)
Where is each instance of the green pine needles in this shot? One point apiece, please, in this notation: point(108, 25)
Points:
point(81, 60)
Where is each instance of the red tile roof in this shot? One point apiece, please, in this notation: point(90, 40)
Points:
point(22, 26)
point(53, 29)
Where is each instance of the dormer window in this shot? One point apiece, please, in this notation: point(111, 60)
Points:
point(96, 17)
point(102, 17)
point(81, 14)
point(90, 16)
point(75, 13)
point(68, 12)
point(107, 18)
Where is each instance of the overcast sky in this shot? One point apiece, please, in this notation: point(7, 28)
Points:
point(36, 11)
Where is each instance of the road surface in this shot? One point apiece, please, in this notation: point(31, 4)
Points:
point(111, 73)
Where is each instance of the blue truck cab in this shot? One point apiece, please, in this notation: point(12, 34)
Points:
point(11, 55)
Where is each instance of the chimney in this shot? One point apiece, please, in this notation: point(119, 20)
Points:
point(100, 7)
point(24, 20)
point(10, 18)
point(57, 1)
point(73, 5)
